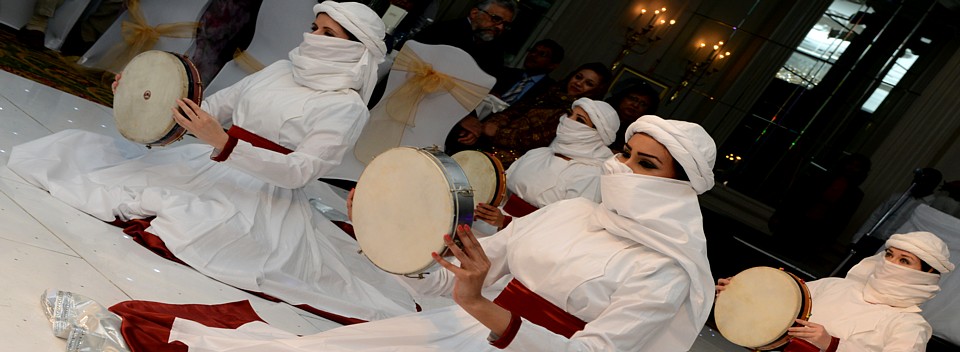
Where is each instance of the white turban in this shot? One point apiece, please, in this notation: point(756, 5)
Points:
point(359, 20)
point(926, 246)
point(603, 116)
point(688, 143)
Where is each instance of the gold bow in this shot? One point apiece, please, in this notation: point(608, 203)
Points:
point(139, 36)
point(403, 102)
point(247, 62)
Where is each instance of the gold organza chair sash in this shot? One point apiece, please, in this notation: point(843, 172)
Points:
point(139, 36)
point(247, 62)
point(403, 102)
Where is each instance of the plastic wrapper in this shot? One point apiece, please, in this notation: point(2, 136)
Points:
point(85, 324)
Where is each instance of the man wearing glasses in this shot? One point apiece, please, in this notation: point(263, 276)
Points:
point(478, 34)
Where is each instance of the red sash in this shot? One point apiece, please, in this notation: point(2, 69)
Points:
point(518, 299)
point(239, 133)
point(518, 207)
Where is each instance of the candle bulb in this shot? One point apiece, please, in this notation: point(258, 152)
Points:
point(654, 18)
point(637, 20)
point(695, 52)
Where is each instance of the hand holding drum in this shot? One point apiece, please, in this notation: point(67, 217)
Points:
point(756, 307)
point(154, 82)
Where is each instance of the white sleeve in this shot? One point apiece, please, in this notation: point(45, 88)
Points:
point(910, 332)
point(224, 102)
point(640, 308)
point(440, 281)
point(320, 151)
point(581, 180)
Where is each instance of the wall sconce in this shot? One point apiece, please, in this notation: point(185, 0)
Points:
point(643, 32)
point(701, 64)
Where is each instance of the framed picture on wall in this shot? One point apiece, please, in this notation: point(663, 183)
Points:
point(628, 76)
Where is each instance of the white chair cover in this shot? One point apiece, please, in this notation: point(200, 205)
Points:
point(436, 114)
point(63, 21)
point(155, 12)
point(16, 13)
point(941, 311)
point(280, 28)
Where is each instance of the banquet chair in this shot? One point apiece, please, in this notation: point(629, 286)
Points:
point(435, 114)
point(156, 13)
point(280, 27)
point(16, 13)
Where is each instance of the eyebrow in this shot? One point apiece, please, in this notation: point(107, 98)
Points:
point(629, 149)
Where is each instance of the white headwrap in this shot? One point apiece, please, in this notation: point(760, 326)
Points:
point(664, 215)
point(582, 143)
point(688, 143)
point(898, 286)
point(926, 246)
point(329, 64)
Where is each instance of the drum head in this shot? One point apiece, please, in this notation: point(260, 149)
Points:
point(149, 88)
point(402, 207)
point(481, 173)
point(758, 306)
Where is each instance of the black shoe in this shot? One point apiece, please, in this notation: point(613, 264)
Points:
point(31, 38)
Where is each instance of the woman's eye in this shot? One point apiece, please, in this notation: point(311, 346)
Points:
point(313, 27)
point(648, 165)
point(625, 155)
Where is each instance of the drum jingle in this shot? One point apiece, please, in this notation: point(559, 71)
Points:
point(405, 201)
point(758, 306)
point(486, 175)
point(149, 88)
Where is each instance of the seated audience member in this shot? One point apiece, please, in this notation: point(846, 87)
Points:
point(225, 27)
point(876, 306)
point(530, 123)
point(651, 293)
point(570, 167)
point(534, 77)
point(477, 34)
point(636, 100)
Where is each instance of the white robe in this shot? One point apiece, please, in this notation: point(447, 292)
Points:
point(839, 306)
point(629, 295)
point(540, 178)
point(247, 221)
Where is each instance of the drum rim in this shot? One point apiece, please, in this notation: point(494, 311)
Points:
point(500, 180)
point(194, 93)
point(459, 187)
point(806, 305)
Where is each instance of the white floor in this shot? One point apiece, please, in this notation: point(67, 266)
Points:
point(46, 244)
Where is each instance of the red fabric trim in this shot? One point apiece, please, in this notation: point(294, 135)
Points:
point(518, 207)
point(146, 325)
point(834, 344)
point(519, 300)
point(508, 334)
point(346, 227)
point(800, 345)
point(257, 141)
point(506, 221)
point(227, 150)
point(137, 230)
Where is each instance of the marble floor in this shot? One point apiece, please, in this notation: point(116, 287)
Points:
point(45, 244)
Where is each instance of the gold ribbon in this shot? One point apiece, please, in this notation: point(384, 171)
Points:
point(403, 102)
point(247, 62)
point(139, 36)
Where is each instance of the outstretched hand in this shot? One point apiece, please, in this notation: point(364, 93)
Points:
point(471, 272)
point(200, 123)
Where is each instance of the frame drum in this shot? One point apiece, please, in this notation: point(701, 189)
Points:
point(405, 201)
point(149, 88)
point(758, 306)
point(486, 175)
